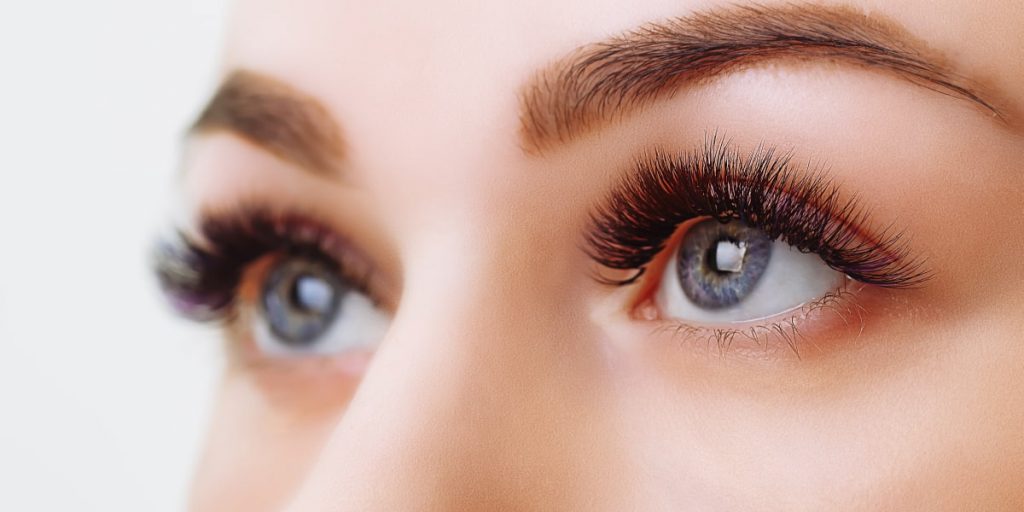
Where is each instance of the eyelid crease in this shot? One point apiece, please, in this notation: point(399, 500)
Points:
point(803, 209)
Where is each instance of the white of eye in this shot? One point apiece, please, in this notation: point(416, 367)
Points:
point(790, 280)
point(359, 325)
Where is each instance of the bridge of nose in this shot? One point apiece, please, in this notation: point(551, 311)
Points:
point(487, 392)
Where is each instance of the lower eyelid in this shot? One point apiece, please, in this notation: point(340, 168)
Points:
point(797, 333)
point(243, 351)
point(310, 385)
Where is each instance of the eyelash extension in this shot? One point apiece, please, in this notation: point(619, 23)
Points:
point(805, 210)
point(201, 274)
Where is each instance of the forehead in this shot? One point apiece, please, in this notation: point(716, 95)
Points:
point(388, 71)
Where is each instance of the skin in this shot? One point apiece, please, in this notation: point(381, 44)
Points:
point(511, 380)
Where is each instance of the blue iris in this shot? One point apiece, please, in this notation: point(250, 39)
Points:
point(301, 299)
point(713, 284)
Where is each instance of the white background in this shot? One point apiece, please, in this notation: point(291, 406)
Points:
point(103, 396)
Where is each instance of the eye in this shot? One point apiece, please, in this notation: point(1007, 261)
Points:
point(731, 272)
point(282, 283)
point(306, 307)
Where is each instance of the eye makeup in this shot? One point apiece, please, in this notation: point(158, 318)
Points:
point(201, 274)
point(762, 190)
point(761, 193)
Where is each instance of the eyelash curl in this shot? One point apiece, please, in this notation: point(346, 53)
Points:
point(201, 275)
point(804, 210)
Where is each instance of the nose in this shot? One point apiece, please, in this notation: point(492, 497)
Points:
point(481, 398)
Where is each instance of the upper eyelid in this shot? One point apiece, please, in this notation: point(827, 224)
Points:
point(200, 273)
point(631, 226)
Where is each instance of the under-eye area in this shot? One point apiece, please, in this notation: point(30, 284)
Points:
point(790, 333)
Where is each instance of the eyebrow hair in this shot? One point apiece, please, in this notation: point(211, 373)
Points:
point(601, 82)
point(269, 113)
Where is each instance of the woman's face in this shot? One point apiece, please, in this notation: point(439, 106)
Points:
point(423, 227)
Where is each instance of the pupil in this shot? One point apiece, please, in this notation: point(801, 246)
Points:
point(312, 295)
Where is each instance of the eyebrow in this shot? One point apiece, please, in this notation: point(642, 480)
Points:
point(601, 82)
point(287, 122)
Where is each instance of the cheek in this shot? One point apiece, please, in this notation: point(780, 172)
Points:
point(911, 417)
point(266, 432)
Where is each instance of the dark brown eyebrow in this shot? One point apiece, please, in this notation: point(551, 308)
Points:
point(269, 113)
point(601, 82)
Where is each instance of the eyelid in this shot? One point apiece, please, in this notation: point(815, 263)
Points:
point(202, 274)
point(759, 338)
point(791, 330)
point(762, 189)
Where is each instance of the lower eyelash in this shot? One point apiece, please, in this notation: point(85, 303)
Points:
point(787, 332)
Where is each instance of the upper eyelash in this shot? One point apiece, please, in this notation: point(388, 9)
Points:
point(805, 210)
point(200, 274)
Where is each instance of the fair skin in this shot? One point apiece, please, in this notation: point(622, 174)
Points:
point(509, 378)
